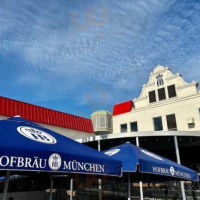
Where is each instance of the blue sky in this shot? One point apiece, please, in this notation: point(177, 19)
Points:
point(80, 56)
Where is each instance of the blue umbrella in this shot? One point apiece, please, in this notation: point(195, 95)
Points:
point(28, 147)
point(135, 159)
point(13, 177)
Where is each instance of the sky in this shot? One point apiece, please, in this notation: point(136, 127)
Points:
point(80, 56)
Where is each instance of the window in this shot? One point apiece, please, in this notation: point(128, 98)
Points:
point(109, 122)
point(171, 122)
point(102, 122)
point(134, 127)
point(152, 96)
point(199, 112)
point(161, 94)
point(171, 91)
point(123, 128)
point(158, 124)
point(94, 120)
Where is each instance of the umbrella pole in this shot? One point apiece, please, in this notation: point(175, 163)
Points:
point(141, 188)
point(129, 187)
point(6, 185)
point(141, 191)
point(100, 180)
point(100, 189)
point(71, 188)
point(179, 162)
point(51, 188)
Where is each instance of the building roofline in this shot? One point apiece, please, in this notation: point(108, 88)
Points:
point(139, 134)
point(10, 107)
point(31, 104)
point(161, 103)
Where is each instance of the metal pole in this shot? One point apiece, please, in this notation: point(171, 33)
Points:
point(141, 191)
point(129, 187)
point(179, 162)
point(51, 188)
point(71, 188)
point(100, 180)
point(99, 145)
point(141, 188)
point(6, 185)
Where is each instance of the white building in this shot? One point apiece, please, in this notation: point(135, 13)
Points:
point(166, 102)
point(164, 119)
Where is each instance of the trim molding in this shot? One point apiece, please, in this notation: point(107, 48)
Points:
point(139, 134)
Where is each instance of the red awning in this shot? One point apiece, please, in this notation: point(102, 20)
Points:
point(10, 107)
point(122, 108)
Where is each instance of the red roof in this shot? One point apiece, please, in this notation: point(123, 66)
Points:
point(122, 108)
point(10, 107)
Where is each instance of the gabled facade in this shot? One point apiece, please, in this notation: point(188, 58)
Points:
point(166, 102)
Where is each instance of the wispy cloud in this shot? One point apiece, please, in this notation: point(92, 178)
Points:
point(95, 53)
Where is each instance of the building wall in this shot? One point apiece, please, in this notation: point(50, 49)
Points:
point(73, 134)
point(185, 105)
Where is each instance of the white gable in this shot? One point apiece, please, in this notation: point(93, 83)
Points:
point(162, 77)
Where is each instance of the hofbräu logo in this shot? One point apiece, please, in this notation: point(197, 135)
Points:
point(112, 152)
point(172, 171)
point(36, 135)
point(55, 161)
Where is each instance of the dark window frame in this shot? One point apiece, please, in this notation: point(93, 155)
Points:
point(173, 94)
point(135, 122)
point(171, 128)
point(154, 98)
point(159, 94)
point(155, 125)
point(121, 130)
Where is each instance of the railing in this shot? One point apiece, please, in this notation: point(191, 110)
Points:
point(117, 190)
point(169, 191)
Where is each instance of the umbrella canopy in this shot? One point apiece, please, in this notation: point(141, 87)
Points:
point(134, 157)
point(26, 146)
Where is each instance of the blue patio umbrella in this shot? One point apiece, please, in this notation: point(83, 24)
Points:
point(135, 159)
point(28, 147)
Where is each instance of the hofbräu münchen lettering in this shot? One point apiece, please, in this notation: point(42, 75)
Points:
point(40, 163)
point(166, 171)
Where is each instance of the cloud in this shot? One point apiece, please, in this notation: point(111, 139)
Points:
point(70, 48)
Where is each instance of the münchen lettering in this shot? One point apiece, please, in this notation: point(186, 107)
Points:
point(81, 166)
